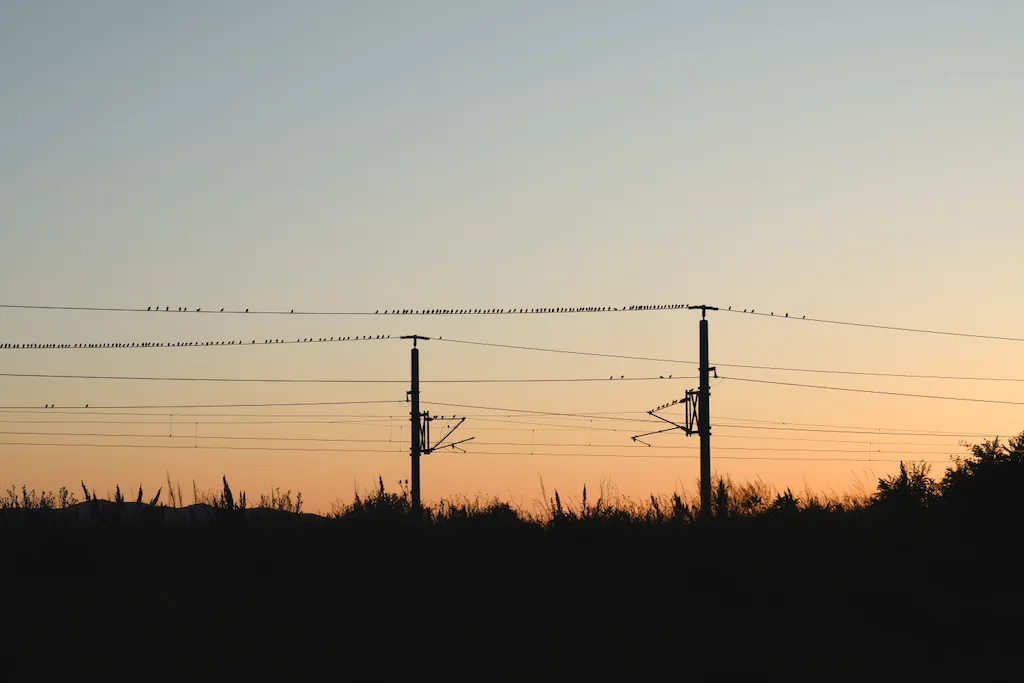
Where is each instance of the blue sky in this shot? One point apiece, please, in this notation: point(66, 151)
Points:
point(851, 160)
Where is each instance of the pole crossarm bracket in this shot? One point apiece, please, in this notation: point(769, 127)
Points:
point(429, 448)
point(690, 421)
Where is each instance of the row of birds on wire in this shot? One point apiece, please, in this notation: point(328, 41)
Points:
point(151, 345)
point(452, 311)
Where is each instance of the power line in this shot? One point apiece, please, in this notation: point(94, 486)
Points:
point(496, 311)
point(195, 437)
point(516, 380)
point(329, 340)
point(220, 343)
point(197, 406)
point(378, 312)
point(333, 416)
point(774, 368)
point(236, 437)
point(32, 444)
point(194, 448)
point(877, 391)
point(945, 333)
point(862, 432)
point(190, 420)
point(590, 416)
point(566, 351)
point(688, 457)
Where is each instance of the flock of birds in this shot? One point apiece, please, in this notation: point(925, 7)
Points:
point(484, 311)
point(148, 345)
point(454, 311)
point(803, 317)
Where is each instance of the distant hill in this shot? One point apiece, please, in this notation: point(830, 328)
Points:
point(103, 510)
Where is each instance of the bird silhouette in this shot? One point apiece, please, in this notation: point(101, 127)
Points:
point(86, 405)
point(198, 309)
point(293, 310)
point(222, 310)
point(247, 310)
point(148, 308)
point(787, 315)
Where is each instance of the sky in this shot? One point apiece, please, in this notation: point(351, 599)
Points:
point(854, 161)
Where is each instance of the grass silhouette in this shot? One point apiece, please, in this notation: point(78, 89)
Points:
point(882, 580)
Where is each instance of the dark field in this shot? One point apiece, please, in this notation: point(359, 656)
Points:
point(920, 578)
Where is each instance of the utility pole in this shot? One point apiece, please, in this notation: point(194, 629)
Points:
point(704, 421)
point(414, 419)
point(420, 426)
point(697, 419)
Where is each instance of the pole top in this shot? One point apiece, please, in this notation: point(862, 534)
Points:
point(414, 337)
point(703, 310)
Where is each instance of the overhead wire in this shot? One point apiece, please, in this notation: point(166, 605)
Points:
point(220, 343)
point(894, 328)
point(448, 451)
point(875, 391)
point(197, 406)
point(636, 308)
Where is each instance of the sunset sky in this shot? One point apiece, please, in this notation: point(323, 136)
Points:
point(858, 161)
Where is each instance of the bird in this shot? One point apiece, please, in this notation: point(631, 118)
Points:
point(622, 377)
point(149, 308)
point(609, 378)
point(661, 376)
point(803, 317)
point(787, 315)
point(86, 405)
point(222, 310)
point(247, 310)
point(198, 309)
point(293, 310)
point(730, 308)
point(167, 308)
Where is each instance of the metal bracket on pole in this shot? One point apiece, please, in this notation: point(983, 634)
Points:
point(690, 421)
point(427, 447)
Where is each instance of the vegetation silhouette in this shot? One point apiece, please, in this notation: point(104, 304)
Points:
point(877, 580)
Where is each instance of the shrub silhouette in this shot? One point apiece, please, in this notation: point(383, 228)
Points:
point(913, 488)
point(988, 482)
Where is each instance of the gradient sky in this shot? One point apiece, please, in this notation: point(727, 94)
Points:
point(860, 161)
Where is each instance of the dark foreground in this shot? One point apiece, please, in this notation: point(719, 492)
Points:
point(809, 596)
